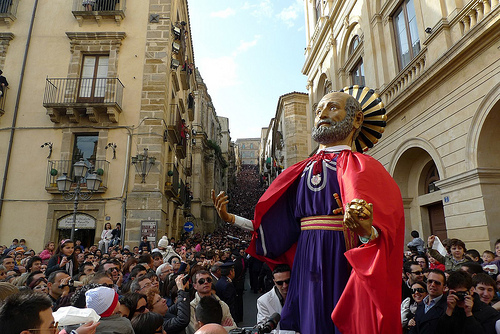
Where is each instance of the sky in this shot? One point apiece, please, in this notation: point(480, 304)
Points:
point(249, 53)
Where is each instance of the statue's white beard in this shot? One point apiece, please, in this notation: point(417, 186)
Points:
point(336, 132)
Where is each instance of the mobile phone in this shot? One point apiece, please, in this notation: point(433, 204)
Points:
point(185, 279)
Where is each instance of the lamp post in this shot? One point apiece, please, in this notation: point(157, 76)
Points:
point(143, 163)
point(64, 185)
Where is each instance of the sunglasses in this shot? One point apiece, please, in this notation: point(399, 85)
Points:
point(420, 272)
point(280, 283)
point(141, 309)
point(203, 280)
point(419, 290)
point(430, 281)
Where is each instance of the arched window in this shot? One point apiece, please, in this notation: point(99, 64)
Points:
point(430, 180)
point(358, 73)
point(354, 44)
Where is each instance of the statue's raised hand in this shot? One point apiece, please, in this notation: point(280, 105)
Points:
point(220, 203)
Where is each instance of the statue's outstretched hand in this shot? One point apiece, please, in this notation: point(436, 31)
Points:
point(220, 203)
point(358, 217)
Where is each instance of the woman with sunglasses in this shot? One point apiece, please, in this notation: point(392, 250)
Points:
point(135, 303)
point(409, 305)
point(176, 317)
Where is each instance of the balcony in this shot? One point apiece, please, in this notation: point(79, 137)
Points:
point(79, 97)
point(185, 73)
point(2, 100)
point(174, 124)
point(57, 168)
point(99, 10)
point(8, 11)
point(180, 149)
point(191, 106)
point(182, 193)
point(171, 181)
point(189, 165)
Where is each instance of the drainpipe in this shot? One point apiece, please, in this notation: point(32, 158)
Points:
point(124, 194)
point(16, 108)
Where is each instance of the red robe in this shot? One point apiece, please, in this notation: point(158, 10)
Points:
point(370, 302)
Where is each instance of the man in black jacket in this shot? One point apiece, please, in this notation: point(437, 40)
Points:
point(225, 288)
point(433, 306)
point(465, 312)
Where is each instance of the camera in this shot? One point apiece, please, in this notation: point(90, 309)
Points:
point(270, 324)
point(461, 295)
point(185, 279)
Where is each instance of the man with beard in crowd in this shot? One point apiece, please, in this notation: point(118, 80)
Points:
point(300, 218)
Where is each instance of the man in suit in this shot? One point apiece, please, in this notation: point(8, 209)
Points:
point(273, 301)
point(225, 288)
point(433, 306)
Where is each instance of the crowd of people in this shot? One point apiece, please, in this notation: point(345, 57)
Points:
point(180, 286)
point(448, 288)
point(172, 282)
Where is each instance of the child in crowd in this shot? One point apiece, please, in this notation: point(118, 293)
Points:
point(451, 261)
point(63, 259)
point(490, 265)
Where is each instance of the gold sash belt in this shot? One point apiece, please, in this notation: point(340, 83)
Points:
point(331, 223)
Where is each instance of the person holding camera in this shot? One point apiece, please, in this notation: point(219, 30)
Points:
point(465, 312)
point(430, 310)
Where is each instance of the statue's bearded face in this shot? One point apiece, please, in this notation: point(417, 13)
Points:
point(333, 123)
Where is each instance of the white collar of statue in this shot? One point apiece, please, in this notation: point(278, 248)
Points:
point(333, 149)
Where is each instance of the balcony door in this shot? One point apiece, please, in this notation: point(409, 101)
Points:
point(93, 79)
point(85, 148)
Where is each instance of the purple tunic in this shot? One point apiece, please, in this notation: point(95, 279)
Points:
point(320, 270)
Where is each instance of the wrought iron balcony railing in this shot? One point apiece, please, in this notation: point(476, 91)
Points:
point(8, 11)
point(2, 100)
point(171, 181)
point(57, 168)
point(99, 9)
point(88, 96)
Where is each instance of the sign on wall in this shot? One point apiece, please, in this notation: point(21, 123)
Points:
point(83, 221)
point(149, 228)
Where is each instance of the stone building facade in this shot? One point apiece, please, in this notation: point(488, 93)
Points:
point(288, 137)
point(110, 85)
point(435, 66)
point(249, 150)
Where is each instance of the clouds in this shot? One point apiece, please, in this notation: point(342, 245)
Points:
point(244, 46)
point(262, 9)
point(265, 10)
point(290, 14)
point(223, 13)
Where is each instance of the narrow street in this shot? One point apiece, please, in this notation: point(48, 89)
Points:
point(249, 306)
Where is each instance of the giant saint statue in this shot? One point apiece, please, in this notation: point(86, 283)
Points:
point(337, 219)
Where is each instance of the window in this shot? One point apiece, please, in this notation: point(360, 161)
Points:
point(405, 25)
point(358, 74)
point(317, 10)
point(251, 146)
point(243, 146)
point(354, 44)
point(85, 148)
point(93, 78)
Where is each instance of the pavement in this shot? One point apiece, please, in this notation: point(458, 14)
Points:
point(249, 305)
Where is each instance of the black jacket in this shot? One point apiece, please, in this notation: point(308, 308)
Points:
point(482, 321)
point(178, 315)
point(227, 293)
point(426, 323)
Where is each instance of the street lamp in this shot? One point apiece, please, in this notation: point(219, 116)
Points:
point(64, 185)
point(143, 164)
